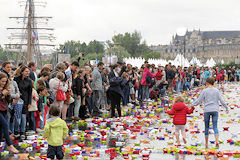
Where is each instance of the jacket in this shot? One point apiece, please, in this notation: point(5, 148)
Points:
point(118, 88)
point(14, 89)
point(180, 111)
point(145, 73)
point(25, 87)
point(55, 130)
point(35, 98)
point(77, 85)
point(4, 101)
point(54, 84)
point(97, 80)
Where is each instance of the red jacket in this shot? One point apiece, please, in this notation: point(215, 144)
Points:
point(180, 111)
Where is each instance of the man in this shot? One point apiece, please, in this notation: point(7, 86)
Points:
point(105, 82)
point(69, 75)
point(71, 70)
point(114, 72)
point(6, 68)
point(97, 87)
point(169, 76)
point(32, 67)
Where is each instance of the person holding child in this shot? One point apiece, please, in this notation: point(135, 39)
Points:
point(180, 111)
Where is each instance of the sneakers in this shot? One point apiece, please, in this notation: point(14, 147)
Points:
point(12, 149)
point(39, 130)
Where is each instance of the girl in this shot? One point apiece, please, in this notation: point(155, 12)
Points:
point(4, 100)
point(211, 97)
point(180, 111)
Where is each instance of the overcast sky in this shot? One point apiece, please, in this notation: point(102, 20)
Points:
point(157, 20)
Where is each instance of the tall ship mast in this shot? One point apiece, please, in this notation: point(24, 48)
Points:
point(29, 39)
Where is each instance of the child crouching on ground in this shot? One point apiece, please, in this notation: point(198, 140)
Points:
point(55, 130)
point(180, 111)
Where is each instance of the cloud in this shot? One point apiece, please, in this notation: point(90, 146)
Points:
point(157, 20)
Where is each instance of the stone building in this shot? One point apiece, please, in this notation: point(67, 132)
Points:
point(203, 45)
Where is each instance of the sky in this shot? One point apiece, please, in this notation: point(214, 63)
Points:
point(156, 20)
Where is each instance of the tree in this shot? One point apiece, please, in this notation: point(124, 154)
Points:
point(3, 55)
point(95, 47)
point(120, 52)
point(154, 55)
point(132, 43)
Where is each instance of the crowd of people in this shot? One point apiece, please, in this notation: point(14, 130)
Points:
point(87, 91)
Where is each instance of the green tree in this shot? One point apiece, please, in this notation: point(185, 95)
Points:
point(149, 55)
point(120, 52)
point(132, 42)
point(3, 55)
point(95, 47)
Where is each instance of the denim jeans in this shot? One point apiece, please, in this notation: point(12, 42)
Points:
point(41, 122)
point(23, 123)
point(214, 121)
point(32, 122)
point(144, 92)
point(4, 130)
point(77, 104)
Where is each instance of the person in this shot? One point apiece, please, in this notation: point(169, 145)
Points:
point(170, 74)
point(13, 106)
point(211, 97)
point(77, 86)
point(25, 87)
point(70, 71)
point(126, 89)
point(6, 68)
point(55, 84)
point(115, 93)
point(41, 90)
point(4, 101)
point(180, 111)
point(32, 67)
point(145, 83)
point(56, 131)
point(97, 87)
point(237, 72)
point(32, 109)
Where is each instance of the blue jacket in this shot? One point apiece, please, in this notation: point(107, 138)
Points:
point(118, 88)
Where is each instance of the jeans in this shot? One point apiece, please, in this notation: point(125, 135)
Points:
point(77, 105)
point(11, 121)
point(214, 121)
point(144, 92)
point(140, 92)
point(162, 91)
point(23, 123)
point(32, 121)
point(4, 130)
point(96, 100)
point(41, 122)
point(148, 93)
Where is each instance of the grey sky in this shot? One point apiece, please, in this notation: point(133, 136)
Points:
point(157, 20)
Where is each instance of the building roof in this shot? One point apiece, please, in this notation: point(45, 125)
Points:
point(220, 34)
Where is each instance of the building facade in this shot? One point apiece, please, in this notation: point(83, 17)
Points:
point(219, 45)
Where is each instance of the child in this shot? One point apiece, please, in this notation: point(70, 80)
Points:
point(55, 130)
point(180, 111)
point(41, 92)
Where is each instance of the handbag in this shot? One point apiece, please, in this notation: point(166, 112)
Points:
point(60, 96)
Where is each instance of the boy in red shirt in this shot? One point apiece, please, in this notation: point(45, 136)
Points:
point(180, 111)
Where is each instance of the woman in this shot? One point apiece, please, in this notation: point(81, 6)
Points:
point(211, 97)
point(4, 100)
point(14, 107)
point(145, 83)
point(25, 87)
point(126, 89)
point(115, 93)
point(57, 83)
point(77, 86)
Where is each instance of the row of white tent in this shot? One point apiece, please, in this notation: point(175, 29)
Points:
point(178, 61)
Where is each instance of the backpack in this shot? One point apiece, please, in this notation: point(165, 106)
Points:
point(159, 75)
point(115, 81)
